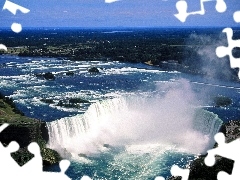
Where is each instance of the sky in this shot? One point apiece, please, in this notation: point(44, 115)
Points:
point(124, 13)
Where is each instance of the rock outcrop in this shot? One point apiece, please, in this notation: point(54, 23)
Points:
point(93, 70)
point(47, 76)
point(72, 102)
point(222, 101)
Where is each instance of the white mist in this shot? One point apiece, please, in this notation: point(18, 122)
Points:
point(168, 118)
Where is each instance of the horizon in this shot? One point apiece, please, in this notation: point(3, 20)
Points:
point(122, 28)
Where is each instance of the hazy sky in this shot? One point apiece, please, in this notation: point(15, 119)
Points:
point(125, 13)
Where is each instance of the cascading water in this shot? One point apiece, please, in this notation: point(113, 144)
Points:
point(126, 121)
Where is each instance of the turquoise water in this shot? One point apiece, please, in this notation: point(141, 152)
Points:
point(139, 121)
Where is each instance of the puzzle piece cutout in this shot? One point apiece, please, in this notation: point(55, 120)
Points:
point(5, 157)
point(182, 7)
point(176, 171)
point(16, 27)
point(159, 178)
point(227, 150)
point(222, 51)
point(86, 178)
point(236, 16)
point(12, 7)
point(32, 169)
point(2, 46)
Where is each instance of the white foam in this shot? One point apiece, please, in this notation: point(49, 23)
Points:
point(141, 149)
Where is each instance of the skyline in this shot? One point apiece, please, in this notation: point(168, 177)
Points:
point(124, 14)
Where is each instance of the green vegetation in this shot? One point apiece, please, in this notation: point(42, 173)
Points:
point(156, 47)
point(9, 111)
point(24, 130)
point(2, 105)
point(77, 45)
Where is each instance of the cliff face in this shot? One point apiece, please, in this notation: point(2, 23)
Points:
point(24, 130)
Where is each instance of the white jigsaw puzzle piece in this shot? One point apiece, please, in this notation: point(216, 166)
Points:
point(3, 126)
point(222, 51)
point(31, 170)
point(227, 150)
point(7, 163)
point(159, 178)
point(176, 171)
point(16, 27)
point(12, 7)
point(236, 16)
point(35, 164)
point(182, 7)
point(64, 164)
point(86, 178)
point(2, 46)
point(51, 176)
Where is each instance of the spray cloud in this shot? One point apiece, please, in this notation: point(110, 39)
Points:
point(166, 118)
point(203, 56)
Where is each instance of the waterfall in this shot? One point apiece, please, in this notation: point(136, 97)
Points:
point(207, 122)
point(78, 130)
point(125, 121)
